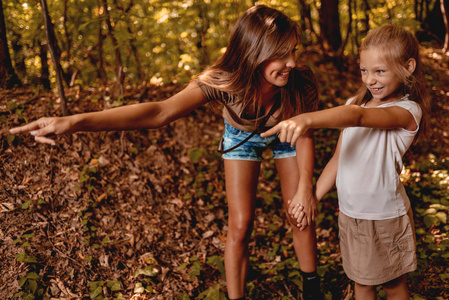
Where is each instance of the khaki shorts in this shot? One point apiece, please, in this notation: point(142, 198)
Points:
point(375, 252)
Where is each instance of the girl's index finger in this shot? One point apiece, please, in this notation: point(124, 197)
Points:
point(273, 130)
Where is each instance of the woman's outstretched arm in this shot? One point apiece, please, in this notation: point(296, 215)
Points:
point(128, 117)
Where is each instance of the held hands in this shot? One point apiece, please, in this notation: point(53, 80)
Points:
point(288, 130)
point(45, 130)
point(304, 214)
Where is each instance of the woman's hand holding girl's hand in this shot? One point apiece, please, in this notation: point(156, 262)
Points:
point(304, 213)
point(44, 130)
point(288, 130)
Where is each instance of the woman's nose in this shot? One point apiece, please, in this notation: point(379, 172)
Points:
point(291, 61)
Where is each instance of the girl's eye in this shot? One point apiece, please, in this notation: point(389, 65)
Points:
point(380, 71)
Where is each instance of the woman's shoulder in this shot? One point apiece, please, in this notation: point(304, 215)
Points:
point(214, 94)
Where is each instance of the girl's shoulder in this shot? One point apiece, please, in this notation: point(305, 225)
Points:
point(413, 107)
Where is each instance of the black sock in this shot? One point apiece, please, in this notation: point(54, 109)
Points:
point(311, 286)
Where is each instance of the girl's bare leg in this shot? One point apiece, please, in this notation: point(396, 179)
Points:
point(241, 186)
point(397, 289)
point(364, 292)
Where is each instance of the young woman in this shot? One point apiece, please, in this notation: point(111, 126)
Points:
point(257, 74)
point(380, 123)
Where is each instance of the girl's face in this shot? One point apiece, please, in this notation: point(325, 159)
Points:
point(276, 71)
point(378, 76)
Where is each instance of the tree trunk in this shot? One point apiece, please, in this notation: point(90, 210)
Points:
point(100, 66)
point(8, 77)
point(45, 72)
point(51, 41)
point(118, 69)
point(306, 21)
point(202, 32)
point(444, 6)
point(330, 25)
point(434, 24)
point(348, 30)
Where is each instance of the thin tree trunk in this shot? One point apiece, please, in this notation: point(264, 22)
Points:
point(8, 77)
point(444, 5)
point(101, 70)
point(306, 22)
point(45, 72)
point(118, 69)
point(51, 41)
point(348, 30)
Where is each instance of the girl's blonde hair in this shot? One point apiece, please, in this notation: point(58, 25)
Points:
point(261, 34)
point(397, 46)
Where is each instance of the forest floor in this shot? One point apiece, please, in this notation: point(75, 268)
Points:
point(142, 214)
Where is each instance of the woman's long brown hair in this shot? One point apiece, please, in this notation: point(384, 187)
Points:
point(261, 34)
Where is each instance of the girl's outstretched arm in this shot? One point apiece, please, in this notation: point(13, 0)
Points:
point(137, 116)
point(341, 117)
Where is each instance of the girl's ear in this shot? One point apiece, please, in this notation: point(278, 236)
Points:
point(411, 65)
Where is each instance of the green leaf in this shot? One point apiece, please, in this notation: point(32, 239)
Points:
point(96, 292)
point(32, 286)
point(138, 288)
point(33, 275)
point(22, 281)
point(114, 285)
point(147, 271)
point(219, 263)
point(26, 205)
point(11, 138)
point(431, 220)
point(25, 245)
point(195, 154)
point(442, 216)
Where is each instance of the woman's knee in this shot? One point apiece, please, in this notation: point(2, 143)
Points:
point(239, 230)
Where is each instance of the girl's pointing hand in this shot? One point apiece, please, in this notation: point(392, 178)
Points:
point(288, 131)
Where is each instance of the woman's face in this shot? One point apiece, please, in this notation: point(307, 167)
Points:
point(276, 71)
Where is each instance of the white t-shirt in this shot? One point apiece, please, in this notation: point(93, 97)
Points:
point(370, 162)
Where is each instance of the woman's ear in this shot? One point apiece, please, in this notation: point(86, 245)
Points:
point(411, 65)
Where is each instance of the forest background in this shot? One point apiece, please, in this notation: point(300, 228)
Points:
point(142, 214)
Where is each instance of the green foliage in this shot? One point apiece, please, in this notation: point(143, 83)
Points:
point(31, 283)
point(112, 287)
point(166, 40)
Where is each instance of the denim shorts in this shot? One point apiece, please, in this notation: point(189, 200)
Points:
point(253, 148)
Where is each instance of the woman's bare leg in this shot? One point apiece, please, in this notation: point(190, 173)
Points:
point(304, 241)
point(241, 186)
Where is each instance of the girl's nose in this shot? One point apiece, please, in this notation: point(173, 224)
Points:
point(370, 79)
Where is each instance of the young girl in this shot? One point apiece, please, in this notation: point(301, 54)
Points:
point(256, 73)
point(380, 123)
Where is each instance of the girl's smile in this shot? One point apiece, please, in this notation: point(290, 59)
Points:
point(378, 76)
